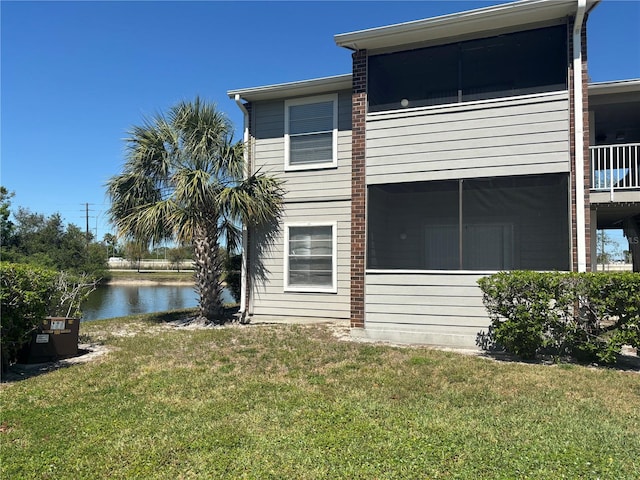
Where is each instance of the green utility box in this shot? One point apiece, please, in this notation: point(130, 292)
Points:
point(55, 338)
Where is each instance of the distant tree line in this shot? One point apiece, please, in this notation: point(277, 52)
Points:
point(47, 268)
point(45, 241)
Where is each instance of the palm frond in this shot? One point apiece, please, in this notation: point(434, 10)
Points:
point(128, 191)
point(230, 164)
point(230, 234)
point(203, 130)
point(147, 152)
point(256, 201)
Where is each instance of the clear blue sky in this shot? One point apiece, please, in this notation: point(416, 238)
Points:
point(77, 75)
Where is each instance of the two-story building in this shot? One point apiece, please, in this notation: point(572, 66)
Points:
point(458, 146)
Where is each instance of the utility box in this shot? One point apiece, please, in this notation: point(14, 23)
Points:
point(55, 338)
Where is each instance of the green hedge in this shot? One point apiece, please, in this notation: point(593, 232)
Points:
point(28, 294)
point(25, 296)
point(588, 316)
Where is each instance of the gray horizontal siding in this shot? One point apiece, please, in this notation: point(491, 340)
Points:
point(503, 137)
point(446, 306)
point(447, 336)
point(268, 117)
point(268, 153)
point(269, 300)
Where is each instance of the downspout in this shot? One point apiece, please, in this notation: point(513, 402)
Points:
point(245, 237)
point(579, 135)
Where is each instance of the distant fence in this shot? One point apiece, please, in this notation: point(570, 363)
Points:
point(148, 264)
point(615, 267)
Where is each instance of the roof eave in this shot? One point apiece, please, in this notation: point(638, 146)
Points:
point(315, 86)
point(615, 86)
point(460, 24)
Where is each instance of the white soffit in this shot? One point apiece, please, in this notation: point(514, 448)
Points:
point(302, 88)
point(615, 86)
point(461, 24)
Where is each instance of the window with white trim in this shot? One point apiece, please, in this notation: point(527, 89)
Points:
point(310, 257)
point(311, 132)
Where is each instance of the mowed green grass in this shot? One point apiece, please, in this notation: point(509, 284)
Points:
point(156, 276)
point(295, 402)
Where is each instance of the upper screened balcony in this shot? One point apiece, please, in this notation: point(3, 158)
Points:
point(498, 66)
point(614, 109)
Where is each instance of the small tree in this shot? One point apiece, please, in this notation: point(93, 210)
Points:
point(134, 252)
point(111, 242)
point(608, 248)
point(177, 255)
point(184, 180)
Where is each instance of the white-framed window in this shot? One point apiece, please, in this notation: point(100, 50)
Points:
point(311, 132)
point(310, 257)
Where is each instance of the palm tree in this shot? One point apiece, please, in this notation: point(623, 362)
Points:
point(184, 180)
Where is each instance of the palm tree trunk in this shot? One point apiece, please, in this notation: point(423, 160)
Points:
point(207, 271)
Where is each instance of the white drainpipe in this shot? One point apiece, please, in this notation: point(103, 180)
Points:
point(245, 242)
point(579, 135)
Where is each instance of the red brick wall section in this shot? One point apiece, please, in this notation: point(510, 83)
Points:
point(358, 186)
point(586, 171)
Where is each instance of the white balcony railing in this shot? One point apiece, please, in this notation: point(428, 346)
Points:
point(615, 167)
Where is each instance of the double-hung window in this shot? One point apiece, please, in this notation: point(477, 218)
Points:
point(310, 257)
point(311, 132)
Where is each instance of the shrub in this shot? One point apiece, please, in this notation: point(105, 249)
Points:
point(30, 293)
point(585, 315)
point(25, 297)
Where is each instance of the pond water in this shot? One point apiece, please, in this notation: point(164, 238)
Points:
point(109, 301)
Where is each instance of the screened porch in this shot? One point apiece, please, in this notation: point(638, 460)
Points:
point(479, 225)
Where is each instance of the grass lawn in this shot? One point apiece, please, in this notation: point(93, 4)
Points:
point(291, 401)
point(155, 276)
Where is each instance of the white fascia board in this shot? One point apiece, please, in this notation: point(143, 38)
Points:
point(615, 86)
point(524, 12)
point(315, 86)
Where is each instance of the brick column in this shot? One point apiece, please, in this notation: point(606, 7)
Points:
point(358, 187)
point(586, 170)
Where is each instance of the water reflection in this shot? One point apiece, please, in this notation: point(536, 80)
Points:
point(133, 300)
point(119, 300)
